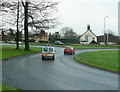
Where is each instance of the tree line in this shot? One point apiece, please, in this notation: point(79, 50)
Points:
point(28, 14)
point(66, 35)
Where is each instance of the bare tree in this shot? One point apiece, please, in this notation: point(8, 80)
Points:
point(11, 9)
point(110, 32)
point(17, 33)
point(38, 15)
point(67, 32)
point(25, 5)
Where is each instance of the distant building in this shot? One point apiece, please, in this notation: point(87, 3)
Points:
point(42, 37)
point(110, 39)
point(5, 37)
point(88, 37)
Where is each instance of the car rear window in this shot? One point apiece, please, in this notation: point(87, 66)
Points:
point(68, 48)
point(50, 49)
point(47, 49)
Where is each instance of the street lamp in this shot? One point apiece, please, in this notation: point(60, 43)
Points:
point(104, 27)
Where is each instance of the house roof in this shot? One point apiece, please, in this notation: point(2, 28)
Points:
point(90, 31)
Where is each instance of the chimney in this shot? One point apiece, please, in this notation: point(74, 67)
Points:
point(88, 27)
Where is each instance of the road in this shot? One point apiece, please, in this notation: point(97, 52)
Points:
point(29, 72)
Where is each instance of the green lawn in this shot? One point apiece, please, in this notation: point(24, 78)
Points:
point(5, 88)
point(107, 60)
point(0, 87)
point(10, 51)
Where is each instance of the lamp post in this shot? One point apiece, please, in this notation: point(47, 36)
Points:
point(104, 27)
point(48, 38)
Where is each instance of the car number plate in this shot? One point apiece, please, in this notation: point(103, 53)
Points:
point(45, 55)
point(49, 54)
point(67, 50)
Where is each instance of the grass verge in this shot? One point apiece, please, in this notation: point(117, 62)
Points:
point(77, 46)
point(5, 88)
point(10, 51)
point(89, 46)
point(106, 60)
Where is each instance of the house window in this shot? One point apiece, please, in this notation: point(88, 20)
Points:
point(43, 37)
point(86, 38)
point(93, 38)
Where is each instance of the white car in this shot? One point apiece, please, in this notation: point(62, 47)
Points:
point(20, 42)
point(48, 53)
point(11, 41)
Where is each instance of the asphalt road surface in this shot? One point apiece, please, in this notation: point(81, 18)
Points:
point(29, 72)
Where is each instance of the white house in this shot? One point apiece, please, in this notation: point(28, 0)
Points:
point(88, 37)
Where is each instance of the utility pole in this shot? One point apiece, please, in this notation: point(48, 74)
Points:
point(107, 38)
point(48, 38)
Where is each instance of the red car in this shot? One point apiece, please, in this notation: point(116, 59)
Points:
point(69, 50)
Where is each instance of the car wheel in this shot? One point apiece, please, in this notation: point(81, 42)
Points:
point(53, 58)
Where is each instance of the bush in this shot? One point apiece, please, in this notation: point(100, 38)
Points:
point(32, 40)
point(43, 41)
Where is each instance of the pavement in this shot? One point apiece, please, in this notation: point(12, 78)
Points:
point(30, 72)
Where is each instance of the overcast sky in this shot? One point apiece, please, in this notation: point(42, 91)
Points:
point(78, 13)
